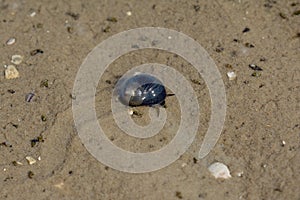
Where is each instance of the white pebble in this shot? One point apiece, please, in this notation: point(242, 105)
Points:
point(16, 59)
point(219, 170)
point(30, 160)
point(11, 41)
point(11, 72)
point(128, 13)
point(231, 75)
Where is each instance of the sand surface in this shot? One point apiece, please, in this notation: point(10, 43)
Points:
point(260, 141)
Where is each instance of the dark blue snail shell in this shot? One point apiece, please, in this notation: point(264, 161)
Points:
point(141, 90)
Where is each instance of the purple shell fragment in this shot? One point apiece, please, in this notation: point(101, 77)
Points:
point(29, 97)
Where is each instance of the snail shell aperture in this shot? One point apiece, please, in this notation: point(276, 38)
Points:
point(141, 90)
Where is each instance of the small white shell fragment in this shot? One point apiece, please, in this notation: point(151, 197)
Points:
point(283, 142)
point(59, 185)
point(219, 170)
point(30, 160)
point(39, 158)
point(19, 163)
point(128, 13)
point(231, 75)
point(11, 72)
point(11, 41)
point(32, 14)
point(16, 59)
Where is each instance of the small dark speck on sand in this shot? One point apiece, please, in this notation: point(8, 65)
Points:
point(178, 195)
point(112, 19)
point(297, 12)
point(246, 30)
point(11, 91)
point(30, 174)
point(75, 16)
point(196, 8)
point(36, 51)
point(195, 160)
point(249, 45)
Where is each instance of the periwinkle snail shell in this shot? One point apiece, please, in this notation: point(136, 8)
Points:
point(141, 90)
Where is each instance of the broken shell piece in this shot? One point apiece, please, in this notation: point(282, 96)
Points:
point(30, 160)
point(16, 59)
point(219, 170)
point(255, 67)
point(11, 72)
point(15, 163)
point(29, 97)
point(19, 163)
point(231, 75)
point(59, 185)
point(10, 41)
point(32, 14)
